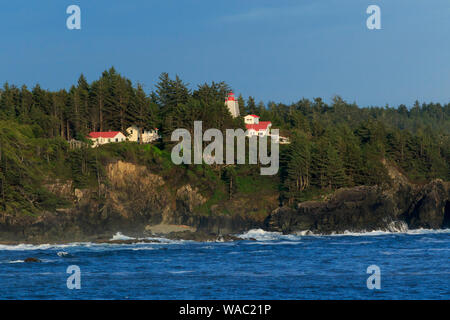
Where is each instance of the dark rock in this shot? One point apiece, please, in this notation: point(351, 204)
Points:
point(429, 207)
point(364, 208)
point(31, 260)
point(447, 215)
point(200, 236)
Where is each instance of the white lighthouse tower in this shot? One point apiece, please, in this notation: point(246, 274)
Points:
point(232, 105)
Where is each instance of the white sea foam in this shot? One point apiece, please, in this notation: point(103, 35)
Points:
point(120, 236)
point(90, 245)
point(16, 261)
point(27, 247)
point(261, 235)
point(143, 248)
point(158, 240)
point(257, 234)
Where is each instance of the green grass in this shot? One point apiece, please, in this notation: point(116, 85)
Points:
point(255, 184)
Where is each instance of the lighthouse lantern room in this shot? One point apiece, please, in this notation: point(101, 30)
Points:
point(232, 105)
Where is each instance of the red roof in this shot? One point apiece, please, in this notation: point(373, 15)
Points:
point(106, 134)
point(231, 97)
point(262, 125)
point(253, 115)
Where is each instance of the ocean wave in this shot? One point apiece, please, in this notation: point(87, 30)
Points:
point(63, 254)
point(143, 248)
point(30, 247)
point(259, 235)
point(61, 248)
point(120, 236)
point(262, 235)
point(393, 232)
point(16, 261)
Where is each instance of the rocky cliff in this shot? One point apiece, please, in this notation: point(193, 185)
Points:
point(396, 207)
point(133, 201)
point(136, 201)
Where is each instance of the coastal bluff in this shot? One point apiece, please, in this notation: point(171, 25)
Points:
point(140, 203)
point(365, 209)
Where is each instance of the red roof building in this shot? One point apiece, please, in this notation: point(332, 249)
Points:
point(232, 104)
point(261, 126)
point(99, 138)
point(104, 134)
point(259, 129)
point(256, 127)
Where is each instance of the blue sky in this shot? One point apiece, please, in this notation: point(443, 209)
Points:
point(278, 50)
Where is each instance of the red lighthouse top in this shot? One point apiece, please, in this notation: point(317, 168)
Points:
point(231, 96)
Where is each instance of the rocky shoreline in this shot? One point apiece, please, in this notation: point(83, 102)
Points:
point(157, 210)
point(398, 207)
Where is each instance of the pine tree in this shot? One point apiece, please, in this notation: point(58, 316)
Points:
point(242, 106)
point(335, 172)
point(298, 166)
point(251, 106)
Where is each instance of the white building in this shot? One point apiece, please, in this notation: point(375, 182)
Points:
point(256, 127)
point(232, 105)
point(251, 119)
point(99, 138)
point(136, 134)
point(262, 129)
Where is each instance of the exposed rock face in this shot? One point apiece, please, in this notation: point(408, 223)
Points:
point(132, 200)
point(360, 208)
point(430, 208)
point(134, 192)
point(60, 188)
point(189, 198)
point(368, 208)
point(136, 201)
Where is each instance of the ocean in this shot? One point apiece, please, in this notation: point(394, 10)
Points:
point(412, 265)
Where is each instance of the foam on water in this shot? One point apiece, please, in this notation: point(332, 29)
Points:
point(120, 236)
point(261, 235)
point(276, 266)
point(62, 254)
point(91, 245)
point(29, 247)
point(254, 234)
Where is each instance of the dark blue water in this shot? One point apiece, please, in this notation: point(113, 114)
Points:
point(414, 265)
